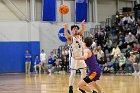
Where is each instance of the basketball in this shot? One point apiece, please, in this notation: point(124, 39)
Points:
point(63, 9)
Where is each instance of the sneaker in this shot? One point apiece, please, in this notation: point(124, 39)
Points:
point(138, 73)
point(82, 91)
point(94, 91)
point(135, 73)
point(70, 89)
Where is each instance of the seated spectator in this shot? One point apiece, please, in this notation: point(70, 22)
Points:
point(122, 61)
point(64, 63)
point(37, 64)
point(115, 63)
point(100, 56)
point(128, 50)
point(138, 62)
point(53, 64)
point(106, 68)
point(135, 48)
point(131, 38)
point(132, 59)
point(95, 51)
point(116, 51)
point(138, 37)
point(94, 45)
point(128, 19)
point(108, 45)
point(129, 65)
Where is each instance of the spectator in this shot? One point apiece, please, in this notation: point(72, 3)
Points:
point(95, 51)
point(43, 60)
point(100, 56)
point(131, 38)
point(128, 50)
point(116, 51)
point(64, 64)
point(138, 62)
point(135, 48)
point(129, 66)
point(37, 64)
point(27, 62)
point(108, 45)
point(132, 59)
point(94, 45)
point(122, 61)
point(115, 63)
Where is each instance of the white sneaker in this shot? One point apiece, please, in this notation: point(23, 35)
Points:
point(138, 73)
point(135, 73)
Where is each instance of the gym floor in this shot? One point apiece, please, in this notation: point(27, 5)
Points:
point(58, 83)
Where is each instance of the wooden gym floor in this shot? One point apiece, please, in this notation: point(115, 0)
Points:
point(58, 83)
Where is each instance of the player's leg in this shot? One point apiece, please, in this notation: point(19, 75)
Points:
point(72, 74)
point(83, 86)
point(93, 77)
point(96, 86)
point(82, 67)
point(71, 80)
point(83, 72)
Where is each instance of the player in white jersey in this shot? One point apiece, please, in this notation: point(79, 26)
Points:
point(75, 49)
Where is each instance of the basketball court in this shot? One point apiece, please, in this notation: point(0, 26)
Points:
point(39, 24)
point(58, 83)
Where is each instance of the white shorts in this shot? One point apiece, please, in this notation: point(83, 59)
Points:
point(77, 64)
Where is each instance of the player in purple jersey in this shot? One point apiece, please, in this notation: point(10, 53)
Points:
point(93, 66)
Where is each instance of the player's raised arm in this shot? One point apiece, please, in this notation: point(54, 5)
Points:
point(82, 28)
point(66, 34)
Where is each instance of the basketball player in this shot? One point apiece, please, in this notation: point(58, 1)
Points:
point(93, 66)
point(75, 49)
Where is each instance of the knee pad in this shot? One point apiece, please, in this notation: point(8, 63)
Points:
point(87, 79)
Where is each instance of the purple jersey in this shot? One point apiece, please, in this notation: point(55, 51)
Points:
point(94, 69)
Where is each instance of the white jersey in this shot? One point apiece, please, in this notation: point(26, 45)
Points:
point(76, 50)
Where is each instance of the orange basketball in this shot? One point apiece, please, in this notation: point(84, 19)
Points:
point(63, 9)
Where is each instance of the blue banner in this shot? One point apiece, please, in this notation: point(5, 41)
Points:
point(81, 10)
point(49, 10)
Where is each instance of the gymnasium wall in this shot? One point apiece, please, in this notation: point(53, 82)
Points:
point(106, 8)
point(15, 38)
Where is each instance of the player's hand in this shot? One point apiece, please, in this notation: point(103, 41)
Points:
point(66, 25)
point(78, 39)
point(83, 23)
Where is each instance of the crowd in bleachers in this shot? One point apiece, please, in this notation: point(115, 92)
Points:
point(115, 46)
